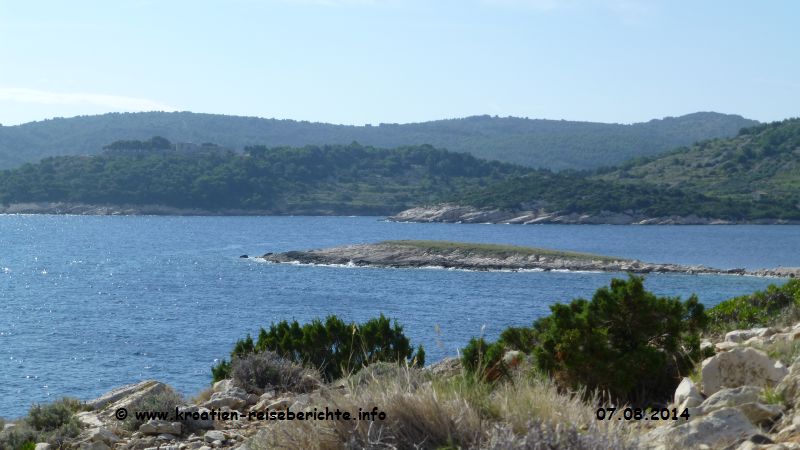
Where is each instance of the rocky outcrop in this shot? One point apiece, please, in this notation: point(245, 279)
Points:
point(220, 422)
point(744, 399)
point(741, 367)
point(720, 429)
point(407, 254)
point(452, 213)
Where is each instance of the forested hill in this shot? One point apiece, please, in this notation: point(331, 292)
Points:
point(755, 175)
point(761, 163)
point(554, 144)
point(350, 179)
point(338, 179)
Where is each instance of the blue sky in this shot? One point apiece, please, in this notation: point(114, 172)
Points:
point(372, 61)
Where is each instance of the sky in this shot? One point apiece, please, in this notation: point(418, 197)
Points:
point(394, 61)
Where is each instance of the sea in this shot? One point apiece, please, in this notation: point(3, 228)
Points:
point(89, 303)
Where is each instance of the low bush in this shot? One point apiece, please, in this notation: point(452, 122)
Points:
point(18, 437)
point(255, 372)
point(332, 347)
point(777, 305)
point(53, 423)
point(165, 399)
point(485, 359)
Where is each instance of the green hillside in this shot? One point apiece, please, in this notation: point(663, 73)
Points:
point(755, 175)
point(576, 193)
point(762, 164)
point(554, 144)
point(349, 179)
point(338, 179)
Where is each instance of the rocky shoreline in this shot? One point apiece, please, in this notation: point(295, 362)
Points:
point(452, 213)
point(444, 213)
point(484, 257)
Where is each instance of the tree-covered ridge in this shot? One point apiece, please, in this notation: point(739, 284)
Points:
point(554, 144)
point(761, 163)
point(344, 179)
point(576, 193)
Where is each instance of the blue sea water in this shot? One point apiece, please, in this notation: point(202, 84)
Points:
point(91, 303)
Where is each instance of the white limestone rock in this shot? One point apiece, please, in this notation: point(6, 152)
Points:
point(719, 429)
point(740, 367)
point(687, 392)
point(155, 427)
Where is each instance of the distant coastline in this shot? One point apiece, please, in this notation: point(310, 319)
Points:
point(442, 213)
point(84, 209)
point(454, 213)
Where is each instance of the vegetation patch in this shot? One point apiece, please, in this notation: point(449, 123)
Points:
point(258, 371)
point(777, 305)
point(332, 347)
point(758, 167)
point(54, 423)
point(625, 342)
point(344, 179)
point(166, 399)
point(494, 250)
point(431, 412)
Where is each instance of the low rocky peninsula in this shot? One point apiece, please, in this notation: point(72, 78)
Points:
point(452, 213)
point(484, 257)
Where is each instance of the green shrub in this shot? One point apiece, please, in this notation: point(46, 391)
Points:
point(220, 371)
point(625, 342)
point(256, 372)
point(165, 399)
point(777, 304)
point(54, 423)
point(332, 347)
point(18, 437)
point(484, 358)
point(51, 417)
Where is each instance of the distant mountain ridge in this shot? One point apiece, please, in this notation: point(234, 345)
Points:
point(553, 144)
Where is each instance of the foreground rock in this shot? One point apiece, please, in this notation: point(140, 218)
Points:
point(745, 398)
point(722, 428)
point(741, 367)
point(451, 213)
point(452, 255)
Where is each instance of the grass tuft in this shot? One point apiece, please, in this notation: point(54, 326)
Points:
point(428, 412)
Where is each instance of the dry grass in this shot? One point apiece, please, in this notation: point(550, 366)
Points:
point(495, 249)
point(202, 396)
point(163, 400)
point(430, 413)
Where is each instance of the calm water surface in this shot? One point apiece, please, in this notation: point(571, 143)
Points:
point(90, 303)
